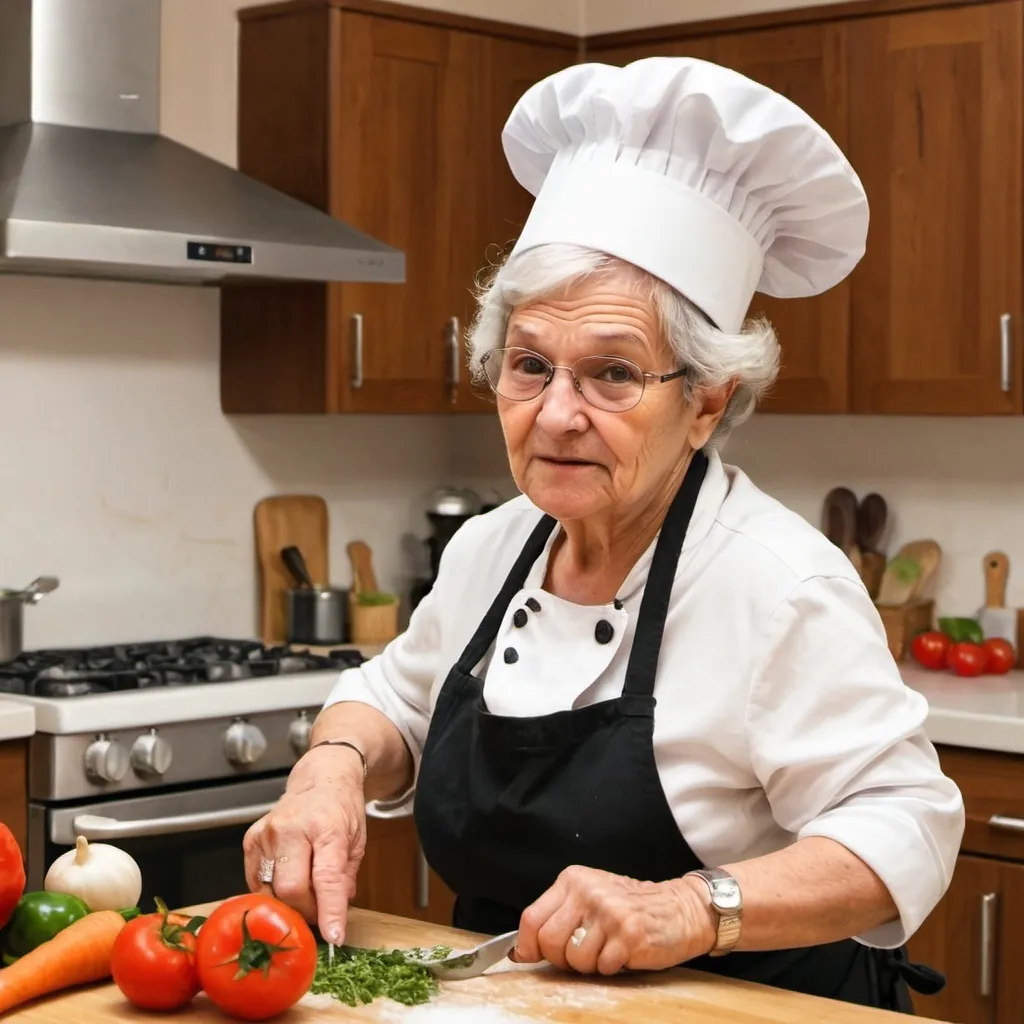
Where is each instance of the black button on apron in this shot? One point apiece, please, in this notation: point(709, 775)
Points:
point(603, 632)
point(618, 604)
point(519, 618)
point(501, 799)
point(533, 604)
point(511, 655)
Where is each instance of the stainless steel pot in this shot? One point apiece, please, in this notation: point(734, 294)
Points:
point(317, 616)
point(12, 603)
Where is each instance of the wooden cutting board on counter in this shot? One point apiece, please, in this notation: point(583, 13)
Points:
point(518, 995)
point(280, 521)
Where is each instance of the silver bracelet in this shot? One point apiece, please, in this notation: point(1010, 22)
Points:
point(343, 743)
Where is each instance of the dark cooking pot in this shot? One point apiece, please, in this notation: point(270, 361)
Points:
point(317, 616)
point(12, 602)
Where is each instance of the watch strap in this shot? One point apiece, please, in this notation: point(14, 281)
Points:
point(727, 903)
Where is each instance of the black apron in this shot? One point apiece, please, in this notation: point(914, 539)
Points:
point(504, 804)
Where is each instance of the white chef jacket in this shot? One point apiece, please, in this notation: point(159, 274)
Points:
point(780, 711)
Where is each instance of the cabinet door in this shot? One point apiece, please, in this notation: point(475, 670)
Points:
point(806, 64)
point(483, 206)
point(394, 879)
point(14, 790)
point(386, 172)
point(703, 48)
point(960, 940)
point(936, 135)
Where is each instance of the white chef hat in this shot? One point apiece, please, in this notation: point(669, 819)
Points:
point(707, 180)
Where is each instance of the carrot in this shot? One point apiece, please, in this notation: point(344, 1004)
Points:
point(75, 956)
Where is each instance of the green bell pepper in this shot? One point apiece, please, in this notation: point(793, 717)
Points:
point(37, 918)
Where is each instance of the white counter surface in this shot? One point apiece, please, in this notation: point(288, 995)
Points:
point(986, 712)
point(16, 720)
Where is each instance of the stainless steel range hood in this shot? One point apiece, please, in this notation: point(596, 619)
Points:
point(89, 186)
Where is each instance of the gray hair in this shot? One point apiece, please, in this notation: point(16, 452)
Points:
point(712, 357)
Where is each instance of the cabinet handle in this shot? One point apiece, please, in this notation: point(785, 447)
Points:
point(453, 355)
point(1005, 350)
point(1007, 824)
point(422, 883)
point(357, 350)
point(988, 940)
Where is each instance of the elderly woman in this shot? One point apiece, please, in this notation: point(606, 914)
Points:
point(648, 714)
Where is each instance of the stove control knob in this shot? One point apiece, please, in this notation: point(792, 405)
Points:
point(151, 754)
point(244, 743)
point(299, 733)
point(106, 760)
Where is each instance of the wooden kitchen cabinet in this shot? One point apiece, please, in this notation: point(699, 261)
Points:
point(807, 64)
point(926, 104)
point(393, 878)
point(974, 936)
point(14, 788)
point(388, 117)
point(936, 134)
point(963, 938)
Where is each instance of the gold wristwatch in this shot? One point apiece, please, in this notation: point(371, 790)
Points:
point(727, 903)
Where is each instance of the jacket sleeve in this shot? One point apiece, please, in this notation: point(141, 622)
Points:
point(399, 681)
point(837, 740)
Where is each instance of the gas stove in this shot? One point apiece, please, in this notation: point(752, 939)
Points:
point(80, 672)
point(143, 716)
point(147, 744)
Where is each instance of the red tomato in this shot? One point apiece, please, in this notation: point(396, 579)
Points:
point(12, 874)
point(153, 961)
point(1001, 655)
point(967, 659)
point(256, 957)
point(930, 648)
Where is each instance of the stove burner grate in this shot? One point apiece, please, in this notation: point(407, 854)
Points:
point(78, 672)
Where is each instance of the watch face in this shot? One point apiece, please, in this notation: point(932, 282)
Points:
point(727, 895)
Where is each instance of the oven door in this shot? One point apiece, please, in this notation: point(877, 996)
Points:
point(188, 844)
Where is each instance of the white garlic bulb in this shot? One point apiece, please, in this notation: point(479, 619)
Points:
point(104, 877)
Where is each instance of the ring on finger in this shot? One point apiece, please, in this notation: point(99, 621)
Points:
point(266, 871)
point(578, 936)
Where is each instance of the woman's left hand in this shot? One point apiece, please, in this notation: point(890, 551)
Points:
point(641, 926)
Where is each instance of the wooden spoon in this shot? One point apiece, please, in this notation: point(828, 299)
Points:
point(364, 580)
point(872, 514)
point(839, 518)
point(906, 574)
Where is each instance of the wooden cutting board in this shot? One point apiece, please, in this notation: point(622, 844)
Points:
point(514, 996)
point(279, 521)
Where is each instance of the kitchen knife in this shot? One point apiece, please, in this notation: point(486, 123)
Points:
point(995, 619)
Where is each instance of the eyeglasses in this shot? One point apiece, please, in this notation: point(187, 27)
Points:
point(606, 382)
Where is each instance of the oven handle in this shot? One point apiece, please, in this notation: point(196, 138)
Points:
point(95, 826)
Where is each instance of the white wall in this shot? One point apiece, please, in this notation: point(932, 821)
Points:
point(120, 475)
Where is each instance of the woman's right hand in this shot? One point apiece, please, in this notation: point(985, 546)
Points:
point(316, 836)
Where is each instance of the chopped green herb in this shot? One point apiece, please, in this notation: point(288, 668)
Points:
point(362, 975)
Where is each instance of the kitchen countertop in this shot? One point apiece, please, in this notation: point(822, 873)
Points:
point(986, 712)
point(16, 720)
point(513, 995)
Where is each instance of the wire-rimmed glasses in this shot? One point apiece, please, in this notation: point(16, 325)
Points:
point(610, 383)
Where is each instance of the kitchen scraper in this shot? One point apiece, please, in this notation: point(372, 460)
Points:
point(995, 618)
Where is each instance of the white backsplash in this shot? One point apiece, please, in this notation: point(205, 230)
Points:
point(120, 475)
